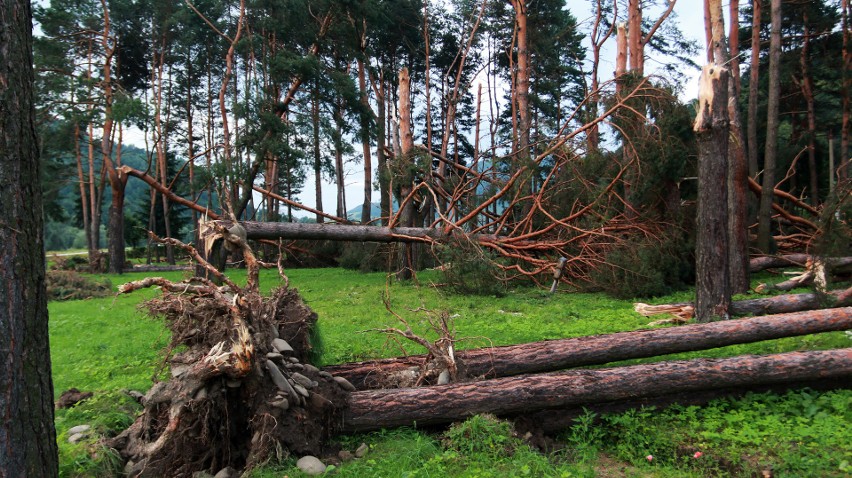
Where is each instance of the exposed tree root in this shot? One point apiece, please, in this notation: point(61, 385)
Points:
point(240, 391)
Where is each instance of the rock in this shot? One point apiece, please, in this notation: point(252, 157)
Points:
point(311, 368)
point(293, 359)
point(344, 384)
point(361, 451)
point(325, 375)
point(301, 390)
point(179, 369)
point(79, 429)
point(282, 346)
point(71, 397)
point(274, 356)
point(345, 455)
point(295, 366)
point(233, 383)
point(310, 465)
point(302, 380)
point(274, 331)
point(201, 474)
point(444, 377)
point(277, 377)
point(76, 437)
point(226, 472)
point(283, 404)
point(201, 394)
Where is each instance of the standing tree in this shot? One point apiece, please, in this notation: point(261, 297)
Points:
point(764, 231)
point(712, 287)
point(27, 435)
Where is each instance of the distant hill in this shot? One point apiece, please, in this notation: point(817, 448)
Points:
point(354, 214)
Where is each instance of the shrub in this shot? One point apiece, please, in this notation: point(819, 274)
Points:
point(366, 257)
point(469, 269)
point(70, 285)
point(647, 268)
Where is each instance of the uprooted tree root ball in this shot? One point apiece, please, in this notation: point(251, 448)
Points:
point(241, 391)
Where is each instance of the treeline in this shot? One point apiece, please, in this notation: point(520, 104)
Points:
point(517, 128)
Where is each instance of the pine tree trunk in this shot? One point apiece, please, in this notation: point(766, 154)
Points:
point(764, 231)
point(553, 355)
point(315, 124)
point(367, 205)
point(406, 270)
point(27, 433)
point(712, 285)
point(808, 93)
point(753, 90)
point(376, 409)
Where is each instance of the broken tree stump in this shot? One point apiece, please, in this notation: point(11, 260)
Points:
point(594, 350)
point(376, 409)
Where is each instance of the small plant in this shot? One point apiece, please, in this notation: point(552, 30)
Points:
point(482, 434)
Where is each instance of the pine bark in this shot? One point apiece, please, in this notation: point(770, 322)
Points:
point(553, 355)
point(753, 89)
point(406, 270)
point(376, 409)
point(712, 287)
point(27, 434)
point(764, 231)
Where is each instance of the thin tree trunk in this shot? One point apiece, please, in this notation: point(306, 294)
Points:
point(522, 83)
point(764, 232)
point(27, 433)
point(315, 124)
point(843, 168)
point(406, 270)
point(634, 36)
point(84, 202)
point(753, 90)
point(367, 205)
point(808, 93)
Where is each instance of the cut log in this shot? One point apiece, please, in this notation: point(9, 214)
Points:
point(594, 350)
point(779, 304)
point(376, 409)
point(758, 264)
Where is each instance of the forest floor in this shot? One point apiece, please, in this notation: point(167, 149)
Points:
point(109, 347)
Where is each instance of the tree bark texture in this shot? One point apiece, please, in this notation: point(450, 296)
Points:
point(561, 354)
point(406, 270)
point(764, 229)
point(27, 434)
point(375, 409)
point(753, 90)
point(712, 287)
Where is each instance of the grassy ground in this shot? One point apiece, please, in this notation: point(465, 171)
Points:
point(107, 346)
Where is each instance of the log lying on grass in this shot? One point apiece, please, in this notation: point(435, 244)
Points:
point(758, 264)
point(375, 409)
point(561, 354)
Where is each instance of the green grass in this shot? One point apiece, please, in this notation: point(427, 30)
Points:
point(109, 346)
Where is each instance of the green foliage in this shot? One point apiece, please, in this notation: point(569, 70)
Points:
point(470, 269)
point(482, 434)
point(647, 267)
point(70, 285)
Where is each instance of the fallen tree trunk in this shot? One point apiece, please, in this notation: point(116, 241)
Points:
point(376, 409)
point(761, 263)
point(594, 350)
point(555, 420)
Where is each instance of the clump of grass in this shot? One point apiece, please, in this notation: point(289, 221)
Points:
point(70, 285)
